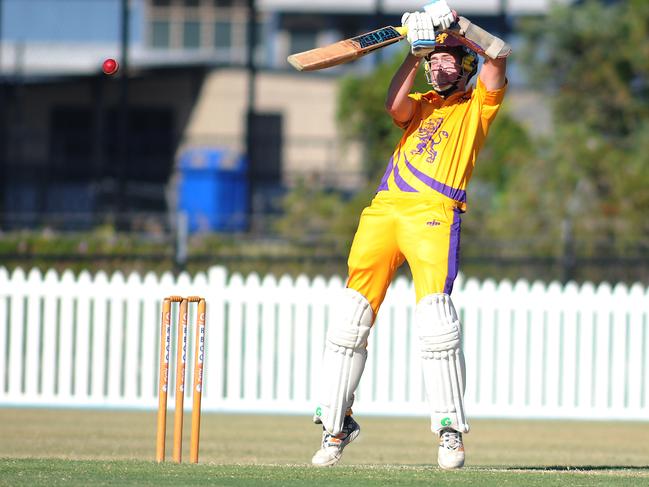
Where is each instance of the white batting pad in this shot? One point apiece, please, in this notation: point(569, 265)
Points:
point(344, 359)
point(442, 361)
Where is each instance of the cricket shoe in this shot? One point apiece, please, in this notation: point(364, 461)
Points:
point(332, 446)
point(450, 454)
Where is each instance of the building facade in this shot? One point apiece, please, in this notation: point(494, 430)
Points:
point(75, 141)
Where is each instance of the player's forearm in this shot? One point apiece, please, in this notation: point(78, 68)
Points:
point(493, 73)
point(398, 104)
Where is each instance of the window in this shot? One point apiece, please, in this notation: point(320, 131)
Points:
point(260, 33)
point(219, 25)
point(222, 35)
point(72, 142)
point(150, 143)
point(160, 34)
point(265, 130)
point(191, 34)
point(302, 40)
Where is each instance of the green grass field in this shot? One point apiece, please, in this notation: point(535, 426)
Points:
point(41, 447)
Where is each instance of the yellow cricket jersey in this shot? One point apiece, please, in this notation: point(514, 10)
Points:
point(439, 147)
point(416, 214)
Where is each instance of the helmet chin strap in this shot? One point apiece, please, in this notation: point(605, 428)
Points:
point(445, 90)
point(448, 89)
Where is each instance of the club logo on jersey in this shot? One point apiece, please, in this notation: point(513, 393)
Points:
point(446, 422)
point(430, 136)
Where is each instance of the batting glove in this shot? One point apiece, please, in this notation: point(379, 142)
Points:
point(421, 33)
point(440, 13)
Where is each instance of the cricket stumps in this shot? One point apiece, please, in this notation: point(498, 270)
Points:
point(181, 362)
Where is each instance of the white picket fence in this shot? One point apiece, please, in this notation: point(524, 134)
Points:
point(533, 350)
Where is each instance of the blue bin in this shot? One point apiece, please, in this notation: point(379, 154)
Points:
point(213, 190)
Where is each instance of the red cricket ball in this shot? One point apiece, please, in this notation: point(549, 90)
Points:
point(110, 66)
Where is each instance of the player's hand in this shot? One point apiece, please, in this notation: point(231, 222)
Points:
point(421, 33)
point(441, 14)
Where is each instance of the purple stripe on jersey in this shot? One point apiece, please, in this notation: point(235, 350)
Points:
point(401, 184)
point(453, 193)
point(384, 181)
point(453, 251)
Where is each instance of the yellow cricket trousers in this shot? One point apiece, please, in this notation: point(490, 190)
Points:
point(423, 229)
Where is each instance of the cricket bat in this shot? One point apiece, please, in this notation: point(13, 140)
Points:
point(345, 51)
point(463, 31)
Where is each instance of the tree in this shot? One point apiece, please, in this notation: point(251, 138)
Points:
point(589, 173)
point(596, 75)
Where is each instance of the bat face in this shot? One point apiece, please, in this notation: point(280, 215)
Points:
point(345, 51)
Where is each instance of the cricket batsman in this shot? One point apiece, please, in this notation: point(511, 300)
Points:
point(415, 217)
